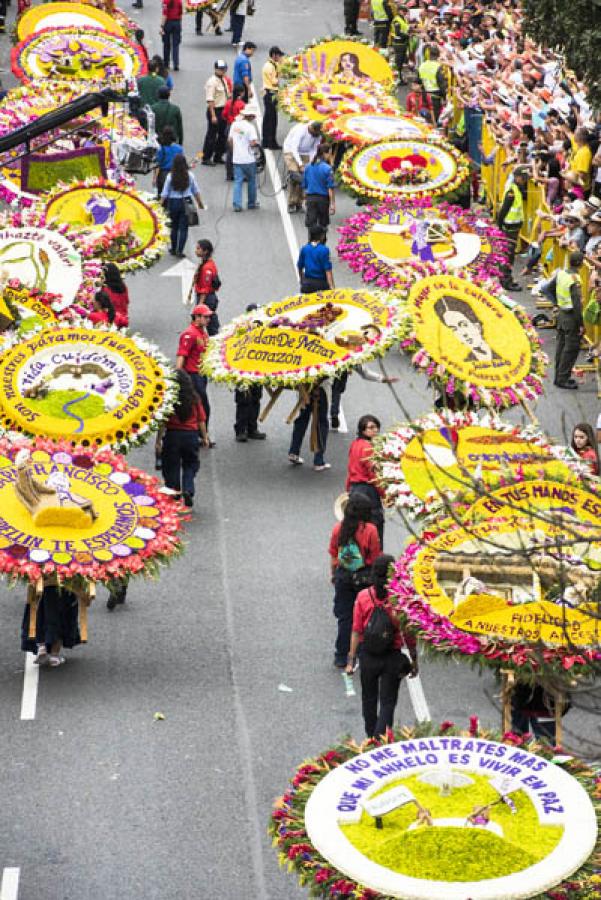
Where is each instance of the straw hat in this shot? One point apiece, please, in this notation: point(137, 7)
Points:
point(340, 505)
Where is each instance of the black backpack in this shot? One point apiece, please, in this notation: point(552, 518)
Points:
point(378, 636)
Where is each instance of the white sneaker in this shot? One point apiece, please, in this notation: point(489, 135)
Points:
point(42, 657)
point(322, 468)
point(55, 661)
point(295, 460)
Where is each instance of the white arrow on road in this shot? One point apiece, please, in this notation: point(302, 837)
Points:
point(183, 269)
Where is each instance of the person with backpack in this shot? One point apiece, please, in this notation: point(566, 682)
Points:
point(378, 639)
point(207, 282)
point(354, 545)
point(361, 476)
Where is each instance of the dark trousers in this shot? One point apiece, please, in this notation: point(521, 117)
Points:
point(567, 346)
point(161, 179)
point(180, 460)
point(512, 233)
point(269, 137)
point(179, 224)
point(436, 100)
point(237, 27)
point(248, 404)
point(344, 602)
point(399, 49)
point(215, 139)
point(317, 211)
point(172, 38)
point(381, 677)
point(338, 389)
point(301, 424)
point(229, 156)
point(523, 722)
point(381, 29)
point(198, 23)
point(200, 386)
point(377, 511)
point(313, 285)
point(212, 301)
point(351, 14)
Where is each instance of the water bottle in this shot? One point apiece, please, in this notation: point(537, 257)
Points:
point(349, 687)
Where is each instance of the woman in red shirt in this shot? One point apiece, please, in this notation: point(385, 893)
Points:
point(207, 282)
point(361, 476)
point(584, 443)
point(181, 439)
point(381, 673)
point(115, 287)
point(354, 544)
point(102, 309)
point(231, 111)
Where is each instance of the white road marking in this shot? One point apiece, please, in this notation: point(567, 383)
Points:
point(418, 699)
point(28, 701)
point(183, 269)
point(343, 427)
point(282, 202)
point(9, 889)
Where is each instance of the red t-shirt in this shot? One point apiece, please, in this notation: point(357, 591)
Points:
point(172, 9)
point(120, 302)
point(192, 344)
point(190, 424)
point(232, 109)
point(360, 467)
point(364, 604)
point(589, 456)
point(203, 282)
point(367, 539)
point(416, 101)
point(99, 315)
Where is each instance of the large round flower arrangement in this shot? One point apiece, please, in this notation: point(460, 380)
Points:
point(510, 592)
point(97, 386)
point(425, 464)
point(384, 243)
point(408, 168)
point(127, 226)
point(135, 529)
point(303, 338)
point(454, 827)
point(80, 54)
point(309, 99)
point(365, 128)
point(60, 15)
point(345, 58)
point(472, 342)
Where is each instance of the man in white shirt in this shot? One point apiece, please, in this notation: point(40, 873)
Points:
point(299, 149)
point(243, 137)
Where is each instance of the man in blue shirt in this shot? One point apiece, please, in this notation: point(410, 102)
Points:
point(242, 74)
point(314, 264)
point(318, 184)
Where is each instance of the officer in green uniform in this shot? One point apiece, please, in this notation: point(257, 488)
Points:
point(431, 75)
point(351, 14)
point(568, 299)
point(511, 218)
point(381, 20)
point(399, 39)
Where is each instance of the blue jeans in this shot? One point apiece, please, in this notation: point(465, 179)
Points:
point(344, 602)
point(237, 27)
point(180, 461)
point(245, 172)
point(301, 424)
point(179, 224)
point(172, 38)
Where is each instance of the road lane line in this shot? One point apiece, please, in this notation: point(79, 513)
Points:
point(9, 889)
point(282, 202)
point(418, 699)
point(30, 694)
point(343, 426)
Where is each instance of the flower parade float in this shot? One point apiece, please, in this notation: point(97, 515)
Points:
point(474, 345)
point(442, 814)
point(425, 464)
point(96, 387)
point(65, 15)
point(74, 516)
point(365, 128)
point(79, 54)
point(340, 58)
point(391, 244)
point(413, 168)
point(127, 227)
point(308, 99)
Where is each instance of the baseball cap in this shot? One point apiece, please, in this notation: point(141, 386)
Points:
point(275, 51)
point(249, 110)
point(202, 310)
point(220, 64)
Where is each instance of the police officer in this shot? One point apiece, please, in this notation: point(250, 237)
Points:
point(381, 20)
point(511, 219)
point(399, 39)
point(351, 14)
point(568, 299)
point(431, 75)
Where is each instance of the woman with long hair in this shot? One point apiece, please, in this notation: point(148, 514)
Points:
point(354, 545)
point(179, 188)
point(584, 443)
point(361, 476)
point(116, 289)
point(380, 643)
point(103, 310)
point(181, 439)
point(166, 153)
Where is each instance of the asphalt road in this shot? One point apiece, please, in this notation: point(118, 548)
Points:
point(99, 800)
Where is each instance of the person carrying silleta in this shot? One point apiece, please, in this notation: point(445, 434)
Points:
point(318, 184)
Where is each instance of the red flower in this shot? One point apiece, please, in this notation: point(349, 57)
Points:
point(474, 724)
point(446, 726)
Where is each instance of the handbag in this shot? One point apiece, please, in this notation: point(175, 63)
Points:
point(191, 212)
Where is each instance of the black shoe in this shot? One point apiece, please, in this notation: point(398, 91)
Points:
point(229, 178)
point(340, 663)
point(199, 32)
point(208, 162)
point(219, 161)
point(173, 252)
point(241, 438)
point(111, 602)
point(176, 68)
point(218, 31)
point(512, 286)
point(335, 421)
point(158, 464)
point(567, 385)
point(188, 500)
point(256, 435)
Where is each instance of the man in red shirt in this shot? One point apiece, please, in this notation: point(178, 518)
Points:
point(207, 282)
point(171, 31)
point(192, 345)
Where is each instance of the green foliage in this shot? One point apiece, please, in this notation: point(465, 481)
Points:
point(53, 405)
point(574, 28)
point(43, 176)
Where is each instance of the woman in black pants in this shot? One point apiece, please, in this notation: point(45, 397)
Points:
point(383, 662)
